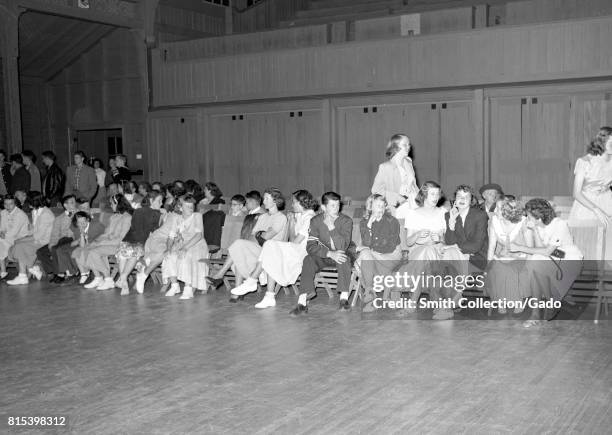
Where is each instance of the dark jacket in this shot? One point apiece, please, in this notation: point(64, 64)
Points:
point(383, 237)
point(144, 221)
point(6, 176)
point(54, 184)
point(122, 175)
point(320, 237)
point(471, 238)
point(20, 181)
point(213, 221)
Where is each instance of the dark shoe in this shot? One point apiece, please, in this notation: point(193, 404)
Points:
point(234, 300)
point(58, 279)
point(344, 305)
point(299, 309)
point(215, 282)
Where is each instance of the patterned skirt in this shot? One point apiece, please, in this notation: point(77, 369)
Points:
point(130, 250)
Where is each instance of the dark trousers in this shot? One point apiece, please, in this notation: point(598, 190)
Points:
point(48, 256)
point(312, 264)
point(64, 259)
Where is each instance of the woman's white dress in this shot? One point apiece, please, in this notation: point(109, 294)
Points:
point(188, 268)
point(282, 261)
point(596, 187)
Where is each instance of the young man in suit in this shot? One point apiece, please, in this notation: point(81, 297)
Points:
point(329, 244)
point(466, 241)
point(81, 179)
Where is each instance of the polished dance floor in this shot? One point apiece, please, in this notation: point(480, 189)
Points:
point(147, 364)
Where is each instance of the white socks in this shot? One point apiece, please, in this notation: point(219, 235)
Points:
point(344, 295)
point(302, 299)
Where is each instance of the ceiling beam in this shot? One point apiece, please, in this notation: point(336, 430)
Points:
point(32, 58)
point(73, 52)
point(94, 15)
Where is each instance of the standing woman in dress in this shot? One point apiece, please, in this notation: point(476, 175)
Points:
point(395, 179)
point(592, 194)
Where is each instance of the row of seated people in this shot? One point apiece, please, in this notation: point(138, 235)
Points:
point(171, 234)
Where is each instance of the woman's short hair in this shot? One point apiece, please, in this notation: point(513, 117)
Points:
point(540, 208)
point(100, 164)
point(67, 198)
point(239, 199)
point(214, 189)
point(330, 196)
point(305, 199)
point(277, 196)
point(151, 196)
point(604, 132)
point(189, 198)
point(370, 201)
point(512, 210)
point(147, 186)
point(423, 191)
point(80, 214)
point(37, 200)
point(467, 189)
point(394, 144)
point(596, 147)
point(123, 205)
point(17, 158)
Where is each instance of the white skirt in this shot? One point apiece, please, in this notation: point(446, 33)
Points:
point(282, 261)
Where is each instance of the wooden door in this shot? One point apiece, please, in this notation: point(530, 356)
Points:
point(228, 147)
point(506, 161)
point(422, 125)
point(461, 158)
point(548, 165)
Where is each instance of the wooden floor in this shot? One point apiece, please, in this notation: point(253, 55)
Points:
point(146, 364)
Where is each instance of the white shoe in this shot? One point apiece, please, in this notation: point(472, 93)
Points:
point(248, 286)
point(140, 282)
point(268, 301)
point(106, 284)
point(95, 283)
point(3, 275)
point(174, 289)
point(36, 272)
point(19, 280)
point(187, 292)
point(83, 279)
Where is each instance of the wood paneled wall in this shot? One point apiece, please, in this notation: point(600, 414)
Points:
point(525, 138)
point(35, 120)
point(177, 24)
point(104, 89)
point(265, 15)
point(245, 43)
point(538, 11)
point(2, 114)
point(481, 57)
